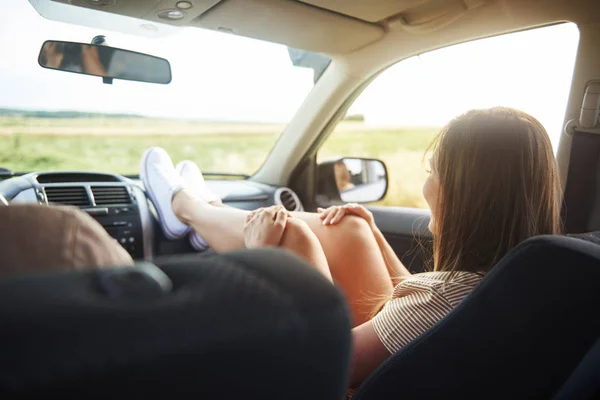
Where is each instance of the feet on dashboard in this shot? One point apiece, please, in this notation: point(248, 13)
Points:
point(193, 179)
point(162, 182)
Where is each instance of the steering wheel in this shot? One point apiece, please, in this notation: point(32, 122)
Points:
point(11, 187)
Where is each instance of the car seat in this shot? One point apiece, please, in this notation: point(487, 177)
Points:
point(249, 324)
point(518, 335)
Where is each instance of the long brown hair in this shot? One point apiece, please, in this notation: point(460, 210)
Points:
point(499, 185)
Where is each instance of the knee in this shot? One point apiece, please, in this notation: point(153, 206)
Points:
point(355, 223)
point(354, 232)
point(300, 239)
point(295, 230)
point(353, 227)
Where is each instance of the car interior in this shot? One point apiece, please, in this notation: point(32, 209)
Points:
point(174, 326)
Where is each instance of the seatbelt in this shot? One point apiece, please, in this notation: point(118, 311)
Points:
point(584, 382)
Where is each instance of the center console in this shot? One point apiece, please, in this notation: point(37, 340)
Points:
point(124, 224)
point(117, 203)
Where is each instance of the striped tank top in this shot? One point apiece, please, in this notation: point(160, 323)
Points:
point(418, 303)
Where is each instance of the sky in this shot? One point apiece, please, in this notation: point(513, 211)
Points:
point(530, 70)
point(217, 76)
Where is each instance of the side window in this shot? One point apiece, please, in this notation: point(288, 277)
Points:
point(401, 111)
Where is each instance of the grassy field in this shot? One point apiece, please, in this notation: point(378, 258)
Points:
point(116, 144)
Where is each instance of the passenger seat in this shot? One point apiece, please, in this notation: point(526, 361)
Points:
point(519, 335)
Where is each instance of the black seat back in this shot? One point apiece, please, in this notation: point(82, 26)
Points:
point(251, 324)
point(518, 335)
point(584, 382)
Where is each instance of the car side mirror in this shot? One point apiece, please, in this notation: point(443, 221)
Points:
point(352, 180)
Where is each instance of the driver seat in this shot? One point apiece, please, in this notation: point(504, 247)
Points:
point(259, 324)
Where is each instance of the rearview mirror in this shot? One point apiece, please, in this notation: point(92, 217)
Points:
point(107, 62)
point(352, 180)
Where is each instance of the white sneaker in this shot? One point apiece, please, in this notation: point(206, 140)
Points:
point(194, 180)
point(162, 182)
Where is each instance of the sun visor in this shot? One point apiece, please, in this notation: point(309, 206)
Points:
point(292, 23)
point(417, 16)
point(371, 10)
point(94, 17)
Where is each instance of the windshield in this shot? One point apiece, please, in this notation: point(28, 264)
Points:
point(229, 99)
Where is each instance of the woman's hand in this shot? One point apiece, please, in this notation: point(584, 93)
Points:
point(335, 214)
point(265, 226)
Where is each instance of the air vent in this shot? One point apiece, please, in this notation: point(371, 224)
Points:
point(288, 199)
point(69, 195)
point(69, 177)
point(108, 195)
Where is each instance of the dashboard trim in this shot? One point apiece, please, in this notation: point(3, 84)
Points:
point(261, 197)
point(145, 217)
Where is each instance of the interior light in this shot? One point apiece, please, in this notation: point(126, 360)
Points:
point(172, 15)
point(184, 5)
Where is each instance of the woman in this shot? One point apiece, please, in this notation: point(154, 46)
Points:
point(343, 179)
point(493, 183)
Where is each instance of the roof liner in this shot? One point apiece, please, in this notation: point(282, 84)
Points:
point(339, 27)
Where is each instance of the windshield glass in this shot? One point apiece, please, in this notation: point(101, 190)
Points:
point(229, 99)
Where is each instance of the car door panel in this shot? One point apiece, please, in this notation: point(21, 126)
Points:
point(406, 231)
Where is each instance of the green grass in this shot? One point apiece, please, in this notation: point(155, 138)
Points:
point(222, 153)
point(33, 144)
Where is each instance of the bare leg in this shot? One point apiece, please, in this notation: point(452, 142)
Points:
point(354, 258)
point(300, 240)
point(355, 261)
point(221, 227)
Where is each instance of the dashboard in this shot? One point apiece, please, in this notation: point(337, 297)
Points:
point(120, 204)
